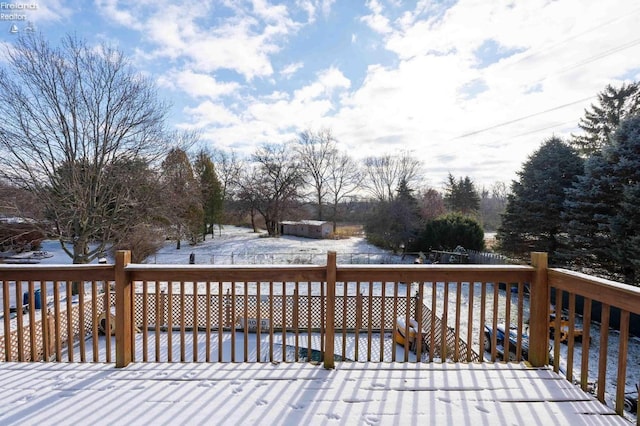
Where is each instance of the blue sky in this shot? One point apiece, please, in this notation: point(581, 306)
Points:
point(448, 80)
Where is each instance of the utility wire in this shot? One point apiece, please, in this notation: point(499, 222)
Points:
point(576, 65)
point(579, 64)
point(568, 39)
point(600, 56)
point(541, 129)
point(522, 118)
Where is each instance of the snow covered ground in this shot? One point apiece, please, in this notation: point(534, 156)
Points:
point(241, 246)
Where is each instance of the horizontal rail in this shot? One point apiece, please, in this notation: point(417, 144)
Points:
point(435, 273)
point(623, 296)
point(10, 272)
point(196, 273)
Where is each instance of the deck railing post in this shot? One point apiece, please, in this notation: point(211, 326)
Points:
point(539, 312)
point(329, 335)
point(124, 289)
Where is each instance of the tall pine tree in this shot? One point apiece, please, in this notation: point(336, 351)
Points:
point(601, 120)
point(532, 219)
point(603, 223)
point(211, 191)
point(461, 196)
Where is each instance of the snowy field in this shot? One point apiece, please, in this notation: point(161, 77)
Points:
point(241, 246)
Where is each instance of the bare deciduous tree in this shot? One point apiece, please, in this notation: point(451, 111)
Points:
point(316, 151)
point(229, 169)
point(431, 204)
point(382, 175)
point(73, 115)
point(247, 183)
point(343, 180)
point(276, 185)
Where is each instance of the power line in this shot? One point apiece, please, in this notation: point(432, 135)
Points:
point(576, 65)
point(495, 126)
point(541, 129)
point(566, 40)
point(600, 56)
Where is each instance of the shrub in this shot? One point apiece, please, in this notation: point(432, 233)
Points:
point(142, 240)
point(449, 231)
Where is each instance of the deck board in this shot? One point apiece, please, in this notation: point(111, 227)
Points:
point(293, 393)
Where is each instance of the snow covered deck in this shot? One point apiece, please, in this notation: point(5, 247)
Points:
point(293, 394)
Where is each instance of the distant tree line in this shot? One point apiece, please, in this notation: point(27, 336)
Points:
point(579, 199)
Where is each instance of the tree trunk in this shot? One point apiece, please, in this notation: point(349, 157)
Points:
point(253, 220)
point(629, 273)
point(319, 205)
point(79, 257)
point(272, 227)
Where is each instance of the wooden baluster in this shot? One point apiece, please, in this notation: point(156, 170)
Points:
point(369, 322)
point(470, 322)
point(159, 319)
point(604, 345)
point(520, 321)
point(456, 356)
point(571, 338)
point(183, 351)
point(622, 361)
point(145, 321)
point(483, 319)
point(207, 319)
point(195, 321)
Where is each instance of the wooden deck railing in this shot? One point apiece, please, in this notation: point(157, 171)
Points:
point(568, 285)
point(203, 313)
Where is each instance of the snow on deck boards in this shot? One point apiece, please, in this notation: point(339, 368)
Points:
point(292, 394)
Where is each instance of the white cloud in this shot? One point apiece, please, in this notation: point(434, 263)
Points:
point(241, 42)
point(275, 117)
point(50, 11)
point(377, 21)
point(209, 113)
point(126, 17)
point(325, 6)
point(197, 85)
point(291, 69)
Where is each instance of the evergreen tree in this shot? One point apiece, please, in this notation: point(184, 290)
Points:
point(461, 196)
point(405, 216)
point(587, 203)
point(377, 224)
point(450, 231)
point(394, 224)
point(211, 191)
point(600, 122)
point(602, 209)
point(184, 207)
point(532, 220)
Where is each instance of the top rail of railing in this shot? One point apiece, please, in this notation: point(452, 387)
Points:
point(39, 272)
point(623, 296)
